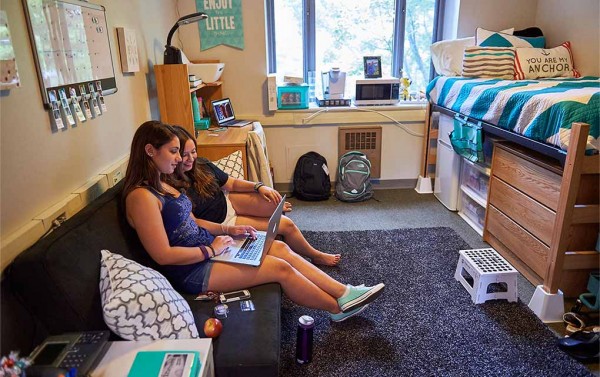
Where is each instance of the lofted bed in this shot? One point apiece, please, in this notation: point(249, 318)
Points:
point(542, 212)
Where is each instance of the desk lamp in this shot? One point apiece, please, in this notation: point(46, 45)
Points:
point(173, 54)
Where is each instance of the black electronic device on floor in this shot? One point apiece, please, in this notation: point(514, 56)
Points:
point(81, 350)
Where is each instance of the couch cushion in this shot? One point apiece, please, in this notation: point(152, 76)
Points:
point(140, 304)
point(250, 342)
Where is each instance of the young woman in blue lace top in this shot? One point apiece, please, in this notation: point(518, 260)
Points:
point(162, 218)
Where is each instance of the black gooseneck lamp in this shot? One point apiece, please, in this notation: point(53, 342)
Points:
point(173, 54)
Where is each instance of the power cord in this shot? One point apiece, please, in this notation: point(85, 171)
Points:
point(55, 224)
point(396, 122)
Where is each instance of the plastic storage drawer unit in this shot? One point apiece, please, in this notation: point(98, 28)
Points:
point(292, 97)
point(472, 212)
point(476, 178)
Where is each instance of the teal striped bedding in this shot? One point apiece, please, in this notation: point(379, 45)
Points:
point(542, 110)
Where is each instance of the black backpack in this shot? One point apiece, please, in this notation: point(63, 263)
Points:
point(311, 178)
point(354, 178)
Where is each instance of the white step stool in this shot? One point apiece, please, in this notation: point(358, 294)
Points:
point(485, 267)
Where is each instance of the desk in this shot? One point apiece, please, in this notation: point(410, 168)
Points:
point(224, 143)
point(120, 355)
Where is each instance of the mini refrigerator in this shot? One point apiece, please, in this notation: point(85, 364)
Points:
point(447, 169)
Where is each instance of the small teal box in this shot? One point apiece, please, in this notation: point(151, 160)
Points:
point(292, 96)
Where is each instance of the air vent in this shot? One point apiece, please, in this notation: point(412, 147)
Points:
point(364, 139)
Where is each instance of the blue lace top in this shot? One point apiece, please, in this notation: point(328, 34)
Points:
point(181, 230)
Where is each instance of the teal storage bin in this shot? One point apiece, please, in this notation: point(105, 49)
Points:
point(292, 97)
point(202, 124)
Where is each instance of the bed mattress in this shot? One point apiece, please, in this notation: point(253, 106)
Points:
point(542, 110)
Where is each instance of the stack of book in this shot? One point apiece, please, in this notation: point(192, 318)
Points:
point(194, 82)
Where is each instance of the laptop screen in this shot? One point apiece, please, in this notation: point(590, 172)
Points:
point(223, 110)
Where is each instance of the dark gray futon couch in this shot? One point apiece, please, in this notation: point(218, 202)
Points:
point(52, 288)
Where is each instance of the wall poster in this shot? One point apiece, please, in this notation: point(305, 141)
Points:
point(70, 43)
point(9, 77)
point(224, 25)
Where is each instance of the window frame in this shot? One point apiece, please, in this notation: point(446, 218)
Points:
point(309, 35)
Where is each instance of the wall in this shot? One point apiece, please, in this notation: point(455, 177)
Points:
point(575, 21)
point(41, 167)
point(494, 15)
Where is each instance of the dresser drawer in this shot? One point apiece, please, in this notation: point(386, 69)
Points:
point(520, 242)
point(528, 213)
point(534, 180)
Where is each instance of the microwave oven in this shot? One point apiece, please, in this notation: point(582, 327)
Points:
point(383, 91)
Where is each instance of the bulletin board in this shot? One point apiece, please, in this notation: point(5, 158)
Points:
point(70, 45)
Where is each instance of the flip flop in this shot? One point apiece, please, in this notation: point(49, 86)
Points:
point(574, 322)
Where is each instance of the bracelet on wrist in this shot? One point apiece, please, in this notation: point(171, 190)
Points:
point(258, 185)
point(211, 249)
point(204, 252)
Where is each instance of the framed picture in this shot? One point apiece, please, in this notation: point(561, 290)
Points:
point(372, 66)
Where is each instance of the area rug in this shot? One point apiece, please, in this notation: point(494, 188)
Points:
point(425, 324)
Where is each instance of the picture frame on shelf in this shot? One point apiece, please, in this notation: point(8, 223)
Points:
point(372, 67)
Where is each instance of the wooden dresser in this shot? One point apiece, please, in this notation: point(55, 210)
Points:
point(523, 202)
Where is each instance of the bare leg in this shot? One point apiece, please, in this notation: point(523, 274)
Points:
point(228, 277)
point(312, 273)
point(251, 204)
point(250, 209)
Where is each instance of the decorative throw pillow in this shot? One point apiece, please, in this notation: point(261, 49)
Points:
point(447, 56)
point(496, 62)
point(487, 38)
point(536, 63)
point(232, 165)
point(140, 304)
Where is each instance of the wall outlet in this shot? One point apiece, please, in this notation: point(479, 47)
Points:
point(117, 177)
point(116, 172)
point(51, 214)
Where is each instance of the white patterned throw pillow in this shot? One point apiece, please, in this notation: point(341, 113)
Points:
point(140, 304)
point(232, 165)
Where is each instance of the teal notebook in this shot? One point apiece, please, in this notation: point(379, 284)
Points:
point(165, 364)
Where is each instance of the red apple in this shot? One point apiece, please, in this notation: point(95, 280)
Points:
point(213, 327)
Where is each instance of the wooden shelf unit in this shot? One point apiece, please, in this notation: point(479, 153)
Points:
point(174, 94)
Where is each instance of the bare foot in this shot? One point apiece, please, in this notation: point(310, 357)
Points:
point(287, 207)
point(325, 259)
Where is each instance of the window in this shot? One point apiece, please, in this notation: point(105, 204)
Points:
point(308, 37)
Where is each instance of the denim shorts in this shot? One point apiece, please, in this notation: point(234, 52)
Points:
point(197, 280)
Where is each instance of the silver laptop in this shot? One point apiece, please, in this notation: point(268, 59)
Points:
point(225, 115)
point(251, 252)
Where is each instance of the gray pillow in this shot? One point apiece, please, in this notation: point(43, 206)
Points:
point(140, 304)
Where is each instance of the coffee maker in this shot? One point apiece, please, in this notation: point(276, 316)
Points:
point(334, 83)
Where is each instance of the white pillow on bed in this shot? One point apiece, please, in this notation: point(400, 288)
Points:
point(447, 56)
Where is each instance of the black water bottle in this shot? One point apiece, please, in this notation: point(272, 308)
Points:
point(304, 339)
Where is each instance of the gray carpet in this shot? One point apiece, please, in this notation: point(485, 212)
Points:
point(425, 323)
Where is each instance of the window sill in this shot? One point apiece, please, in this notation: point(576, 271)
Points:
point(406, 111)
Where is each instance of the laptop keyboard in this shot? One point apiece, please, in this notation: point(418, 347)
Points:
point(251, 248)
